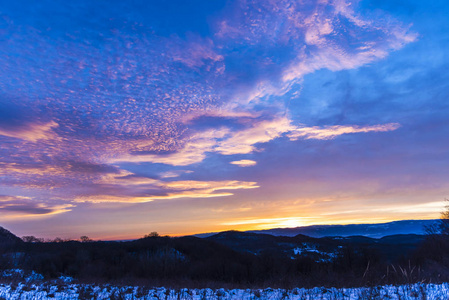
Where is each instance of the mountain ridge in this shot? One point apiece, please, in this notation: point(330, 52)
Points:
point(6, 237)
point(372, 230)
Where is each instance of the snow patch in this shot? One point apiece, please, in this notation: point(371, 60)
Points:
point(85, 291)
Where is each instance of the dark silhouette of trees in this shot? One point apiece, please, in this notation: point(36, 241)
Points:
point(85, 239)
point(198, 262)
point(444, 221)
point(432, 256)
point(152, 234)
point(32, 239)
point(234, 258)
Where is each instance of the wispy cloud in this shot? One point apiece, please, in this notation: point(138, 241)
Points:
point(31, 132)
point(245, 141)
point(29, 169)
point(228, 141)
point(196, 53)
point(244, 163)
point(125, 178)
point(12, 207)
point(147, 190)
point(330, 132)
point(193, 151)
point(173, 174)
point(313, 34)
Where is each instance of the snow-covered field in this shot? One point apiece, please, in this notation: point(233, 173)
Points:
point(30, 285)
point(83, 291)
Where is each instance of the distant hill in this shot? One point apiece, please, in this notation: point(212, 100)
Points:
point(7, 237)
point(368, 230)
point(320, 249)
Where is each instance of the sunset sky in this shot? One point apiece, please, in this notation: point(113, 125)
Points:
point(119, 118)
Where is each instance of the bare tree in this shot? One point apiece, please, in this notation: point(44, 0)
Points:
point(32, 239)
point(152, 234)
point(440, 229)
point(85, 239)
point(444, 220)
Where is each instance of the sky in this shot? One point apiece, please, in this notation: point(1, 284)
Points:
point(120, 118)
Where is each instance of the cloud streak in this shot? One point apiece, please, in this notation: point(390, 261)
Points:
point(135, 189)
point(226, 141)
point(32, 132)
point(331, 132)
point(244, 163)
point(12, 207)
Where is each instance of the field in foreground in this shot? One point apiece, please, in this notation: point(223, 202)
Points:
point(85, 291)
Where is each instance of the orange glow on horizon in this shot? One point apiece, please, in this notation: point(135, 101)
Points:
point(242, 219)
point(279, 223)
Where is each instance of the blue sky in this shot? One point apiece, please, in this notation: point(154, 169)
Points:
point(122, 118)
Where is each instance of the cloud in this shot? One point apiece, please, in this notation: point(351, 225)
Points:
point(124, 97)
point(29, 169)
point(222, 140)
point(125, 178)
point(31, 132)
point(244, 163)
point(193, 151)
point(210, 185)
point(173, 174)
point(330, 132)
point(146, 199)
point(245, 140)
point(422, 208)
point(50, 173)
point(220, 114)
point(6, 198)
point(126, 187)
point(196, 53)
point(312, 35)
point(163, 190)
point(12, 207)
point(85, 167)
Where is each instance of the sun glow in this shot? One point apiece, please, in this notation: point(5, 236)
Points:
point(267, 223)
